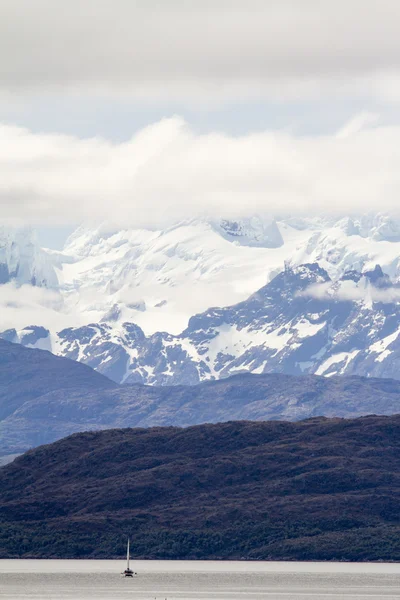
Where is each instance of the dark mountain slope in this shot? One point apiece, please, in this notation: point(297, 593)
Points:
point(44, 398)
point(26, 373)
point(316, 489)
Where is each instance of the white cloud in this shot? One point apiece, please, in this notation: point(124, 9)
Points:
point(350, 291)
point(201, 50)
point(168, 172)
point(22, 306)
point(358, 123)
point(26, 305)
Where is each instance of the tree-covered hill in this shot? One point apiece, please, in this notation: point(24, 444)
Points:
point(319, 489)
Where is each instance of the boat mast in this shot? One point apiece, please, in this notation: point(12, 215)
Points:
point(127, 554)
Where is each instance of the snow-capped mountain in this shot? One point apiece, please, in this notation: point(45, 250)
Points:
point(128, 298)
point(22, 261)
point(301, 322)
point(159, 279)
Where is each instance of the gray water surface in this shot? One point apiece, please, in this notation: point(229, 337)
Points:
point(173, 580)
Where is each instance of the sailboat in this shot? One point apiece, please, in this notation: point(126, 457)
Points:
point(128, 572)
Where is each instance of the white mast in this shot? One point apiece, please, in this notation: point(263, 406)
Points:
point(127, 554)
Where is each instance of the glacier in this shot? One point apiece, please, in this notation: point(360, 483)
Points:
point(285, 327)
point(159, 279)
point(22, 261)
point(297, 296)
point(302, 322)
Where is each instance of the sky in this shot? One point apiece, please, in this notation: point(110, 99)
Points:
point(144, 112)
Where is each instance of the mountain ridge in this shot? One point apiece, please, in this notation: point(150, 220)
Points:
point(160, 278)
point(301, 322)
point(320, 489)
point(44, 398)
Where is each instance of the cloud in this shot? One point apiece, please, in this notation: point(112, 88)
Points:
point(358, 123)
point(21, 306)
point(350, 291)
point(205, 50)
point(168, 172)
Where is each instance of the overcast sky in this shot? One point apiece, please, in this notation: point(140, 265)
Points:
point(143, 112)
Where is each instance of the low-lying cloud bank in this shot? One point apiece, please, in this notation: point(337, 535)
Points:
point(30, 305)
point(168, 172)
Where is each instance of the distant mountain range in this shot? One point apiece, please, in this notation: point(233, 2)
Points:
point(301, 322)
point(308, 325)
point(159, 279)
point(321, 489)
point(44, 398)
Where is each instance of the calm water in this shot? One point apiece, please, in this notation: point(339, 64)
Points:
point(86, 580)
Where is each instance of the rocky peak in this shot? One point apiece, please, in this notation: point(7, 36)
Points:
point(254, 231)
point(378, 278)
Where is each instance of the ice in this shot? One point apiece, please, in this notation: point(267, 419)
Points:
point(159, 279)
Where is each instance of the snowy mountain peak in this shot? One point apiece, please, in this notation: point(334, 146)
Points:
point(254, 231)
point(378, 278)
point(351, 275)
point(295, 279)
point(378, 227)
point(375, 277)
point(31, 337)
point(300, 322)
point(22, 261)
point(307, 273)
point(160, 279)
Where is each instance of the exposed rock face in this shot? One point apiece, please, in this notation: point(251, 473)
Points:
point(31, 337)
point(251, 232)
point(22, 261)
point(300, 323)
point(135, 304)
